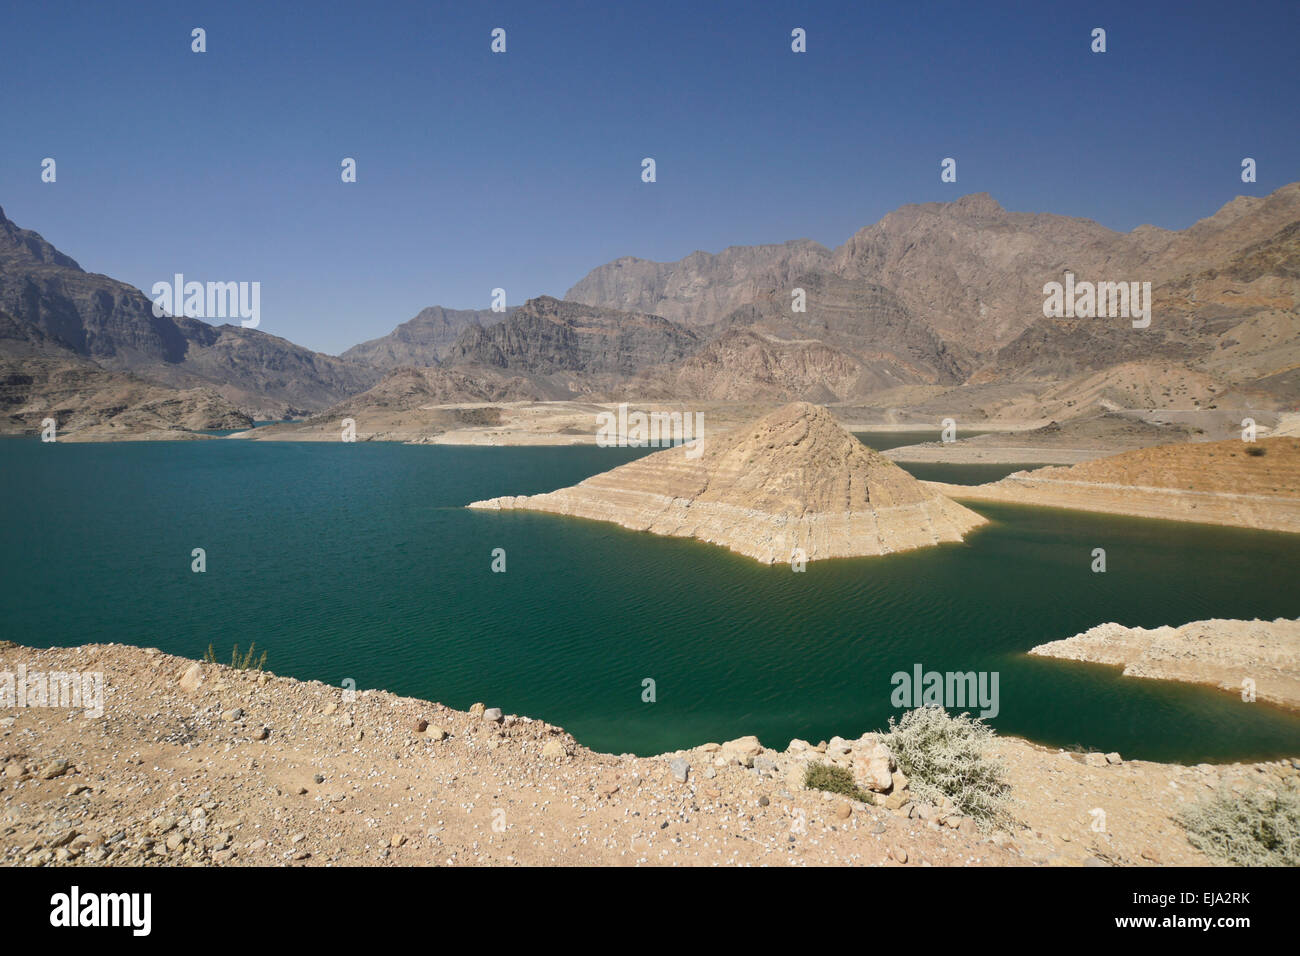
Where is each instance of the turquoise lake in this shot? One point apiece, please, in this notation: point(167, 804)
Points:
point(359, 561)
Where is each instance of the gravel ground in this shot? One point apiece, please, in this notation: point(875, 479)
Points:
point(199, 764)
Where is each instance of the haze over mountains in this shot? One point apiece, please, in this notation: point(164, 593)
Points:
point(936, 305)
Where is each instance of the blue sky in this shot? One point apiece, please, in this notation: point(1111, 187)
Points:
point(523, 170)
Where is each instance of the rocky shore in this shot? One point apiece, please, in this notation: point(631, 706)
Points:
point(201, 764)
point(1226, 654)
point(1246, 485)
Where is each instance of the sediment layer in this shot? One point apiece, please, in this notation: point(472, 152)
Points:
point(1248, 485)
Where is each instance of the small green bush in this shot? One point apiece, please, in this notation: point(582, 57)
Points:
point(824, 776)
point(946, 756)
point(244, 663)
point(1258, 828)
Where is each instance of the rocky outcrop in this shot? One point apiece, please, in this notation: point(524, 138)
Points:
point(89, 403)
point(547, 336)
point(793, 481)
point(1250, 485)
point(424, 340)
point(702, 288)
point(1258, 659)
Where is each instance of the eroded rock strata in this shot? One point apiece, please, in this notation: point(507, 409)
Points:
point(794, 480)
point(1227, 654)
point(1246, 484)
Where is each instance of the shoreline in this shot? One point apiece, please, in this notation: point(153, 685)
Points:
point(200, 763)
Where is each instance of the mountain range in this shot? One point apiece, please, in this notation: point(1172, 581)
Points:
point(934, 300)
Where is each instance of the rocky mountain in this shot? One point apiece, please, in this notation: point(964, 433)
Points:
point(793, 480)
point(702, 288)
point(424, 340)
point(567, 341)
point(944, 293)
point(937, 303)
point(113, 325)
point(40, 379)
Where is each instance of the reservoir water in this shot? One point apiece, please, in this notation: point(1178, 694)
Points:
point(359, 561)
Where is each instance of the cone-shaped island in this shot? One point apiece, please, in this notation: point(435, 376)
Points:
point(793, 481)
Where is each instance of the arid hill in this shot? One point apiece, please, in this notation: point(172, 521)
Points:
point(1248, 484)
point(793, 480)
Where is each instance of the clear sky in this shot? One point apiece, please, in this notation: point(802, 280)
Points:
point(523, 170)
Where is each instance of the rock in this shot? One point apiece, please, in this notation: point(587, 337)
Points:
point(897, 800)
point(493, 714)
point(175, 841)
point(63, 839)
point(329, 708)
point(397, 840)
point(261, 733)
point(435, 733)
point(872, 768)
point(765, 765)
point(1095, 760)
point(233, 714)
point(798, 746)
point(1149, 854)
point(838, 747)
point(55, 768)
point(764, 801)
point(476, 710)
point(680, 769)
point(926, 811)
point(319, 778)
point(899, 854)
point(843, 811)
point(1114, 758)
point(900, 781)
point(192, 678)
point(711, 748)
point(421, 725)
point(743, 745)
point(554, 748)
point(257, 845)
